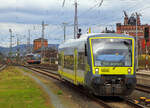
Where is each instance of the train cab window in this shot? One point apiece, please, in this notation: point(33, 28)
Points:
point(112, 52)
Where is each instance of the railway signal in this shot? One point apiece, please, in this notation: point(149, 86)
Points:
point(146, 36)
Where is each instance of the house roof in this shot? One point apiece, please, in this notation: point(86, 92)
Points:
point(39, 39)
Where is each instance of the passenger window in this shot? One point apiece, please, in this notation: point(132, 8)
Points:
point(81, 61)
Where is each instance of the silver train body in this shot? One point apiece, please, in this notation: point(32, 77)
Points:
point(103, 63)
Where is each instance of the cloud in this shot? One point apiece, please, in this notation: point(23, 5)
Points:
point(44, 4)
point(21, 15)
point(21, 31)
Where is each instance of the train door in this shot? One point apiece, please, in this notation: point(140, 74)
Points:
point(75, 65)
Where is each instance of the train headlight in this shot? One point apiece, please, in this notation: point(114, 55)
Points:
point(96, 71)
point(129, 70)
point(111, 40)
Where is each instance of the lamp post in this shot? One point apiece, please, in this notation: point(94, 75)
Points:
point(136, 43)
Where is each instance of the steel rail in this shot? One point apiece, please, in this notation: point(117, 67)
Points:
point(97, 100)
point(2, 67)
point(143, 88)
point(143, 74)
point(49, 74)
point(56, 76)
point(50, 67)
point(132, 103)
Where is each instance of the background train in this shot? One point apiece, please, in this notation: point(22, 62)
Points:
point(33, 58)
point(103, 63)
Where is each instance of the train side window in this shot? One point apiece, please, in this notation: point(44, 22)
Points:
point(81, 61)
point(85, 50)
point(59, 59)
point(68, 61)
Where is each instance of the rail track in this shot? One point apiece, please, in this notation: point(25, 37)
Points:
point(143, 88)
point(48, 68)
point(143, 74)
point(2, 67)
point(128, 103)
point(44, 66)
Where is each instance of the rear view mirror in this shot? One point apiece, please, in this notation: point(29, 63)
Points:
point(85, 50)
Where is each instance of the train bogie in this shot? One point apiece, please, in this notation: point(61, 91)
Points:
point(33, 61)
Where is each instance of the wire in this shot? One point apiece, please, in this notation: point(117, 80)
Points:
point(119, 18)
point(100, 3)
point(63, 3)
point(91, 8)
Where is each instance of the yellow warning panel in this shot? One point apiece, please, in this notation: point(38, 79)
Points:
point(136, 101)
point(147, 100)
point(142, 98)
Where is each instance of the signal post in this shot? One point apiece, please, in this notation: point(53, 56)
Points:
point(146, 36)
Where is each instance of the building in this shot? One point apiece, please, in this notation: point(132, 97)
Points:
point(129, 27)
point(38, 43)
point(108, 31)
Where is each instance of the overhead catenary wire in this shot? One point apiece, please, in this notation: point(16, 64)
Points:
point(63, 3)
point(118, 17)
point(88, 11)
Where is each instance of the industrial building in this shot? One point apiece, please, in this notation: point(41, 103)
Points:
point(38, 43)
point(129, 27)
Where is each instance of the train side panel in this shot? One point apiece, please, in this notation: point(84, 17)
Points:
point(77, 64)
point(72, 65)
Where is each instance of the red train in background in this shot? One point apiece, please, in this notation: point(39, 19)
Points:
point(33, 58)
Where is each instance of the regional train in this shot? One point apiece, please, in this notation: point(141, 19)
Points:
point(104, 63)
point(33, 58)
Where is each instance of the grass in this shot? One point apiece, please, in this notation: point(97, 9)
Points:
point(19, 91)
point(59, 92)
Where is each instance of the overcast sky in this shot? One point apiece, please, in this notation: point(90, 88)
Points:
point(21, 15)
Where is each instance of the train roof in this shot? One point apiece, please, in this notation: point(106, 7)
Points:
point(31, 54)
point(82, 40)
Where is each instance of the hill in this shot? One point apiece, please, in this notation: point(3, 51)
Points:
point(23, 49)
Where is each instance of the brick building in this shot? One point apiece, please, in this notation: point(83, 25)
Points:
point(129, 27)
point(38, 43)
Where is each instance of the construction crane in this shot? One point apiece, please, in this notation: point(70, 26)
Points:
point(125, 14)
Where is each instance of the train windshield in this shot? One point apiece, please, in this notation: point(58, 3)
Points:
point(33, 57)
point(112, 52)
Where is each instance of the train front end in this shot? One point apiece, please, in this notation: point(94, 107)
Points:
point(112, 62)
point(33, 59)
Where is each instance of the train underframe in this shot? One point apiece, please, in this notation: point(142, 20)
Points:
point(113, 85)
point(33, 61)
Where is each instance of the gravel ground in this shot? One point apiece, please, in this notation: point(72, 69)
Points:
point(137, 94)
point(63, 95)
point(143, 80)
point(55, 103)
